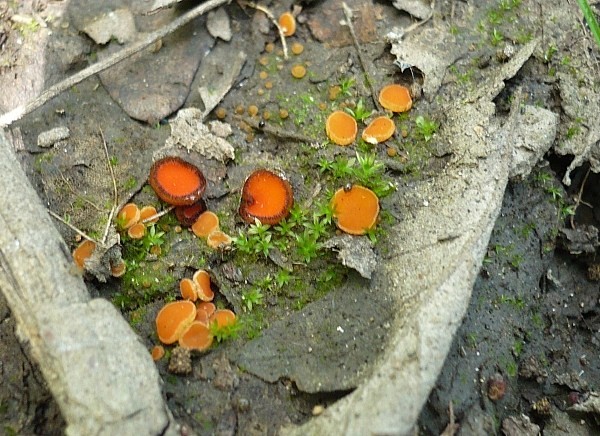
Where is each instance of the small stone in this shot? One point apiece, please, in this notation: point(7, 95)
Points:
point(318, 409)
point(51, 137)
point(496, 387)
point(180, 362)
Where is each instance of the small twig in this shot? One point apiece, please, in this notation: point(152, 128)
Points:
point(283, 134)
point(578, 199)
point(47, 95)
point(419, 23)
point(271, 17)
point(72, 227)
point(158, 215)
point(115, 191)
point(363, 64)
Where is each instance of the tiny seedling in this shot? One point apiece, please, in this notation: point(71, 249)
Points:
point(307, 246)
point(347, 84)
point(426, 128)
point(360, 112)
point(252, 298)
point(222, 333)
point(497, 37)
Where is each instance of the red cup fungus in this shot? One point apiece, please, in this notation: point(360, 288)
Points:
point(341, 128)
point(187, 215)
point(266, 196)
point(355, 210)
point(176, 181)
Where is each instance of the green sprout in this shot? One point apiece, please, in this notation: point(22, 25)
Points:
point(360, 112)
point(252, 298)
point(346, 85)
point(426, 128)
point(224, 332)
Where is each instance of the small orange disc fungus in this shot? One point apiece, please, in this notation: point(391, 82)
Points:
point(148, 212)
point(218, 240)
point(287, 22)
point(197, 337)
point(355, 210)
point(188, 289)
point(177, 181)
point(118, 269)
point(129, 215)
point(83, 251)
point(173, 319)
point(379, 130)
point(298, 71)
point(395, 98)
point(202, 317)
point(136, 231)
point(206, 223)
point(223, 317)
point(266, 196)
point(187, 215)
point(341, 128)
point(206, 307)
point(158, 351)
point(204, 290)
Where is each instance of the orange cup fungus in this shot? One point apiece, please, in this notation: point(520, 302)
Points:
point(83, 251)
point(207, 307)
point(118, 269)
point(202, 280)
point(218, 240)
point(206, 223)
point(355, 210)
point(188, 289)
point(341, 128)
point(129, 215)
point(223, 318)
point(136, 231)
point(177, 181)
point(187, 215)
point(174, 319)
point(379, 130)
point(266, 196)
point(197, 337)
point(395, 98)
point(287, 22)
point(148, 212)
point(157, 352)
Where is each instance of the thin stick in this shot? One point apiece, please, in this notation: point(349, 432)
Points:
point(72, 227)
point(578, 199)
point(591, 19)
point(283, 134)
point(271, 17)
point(47, 95)
point(115, 191)
point(363, 64)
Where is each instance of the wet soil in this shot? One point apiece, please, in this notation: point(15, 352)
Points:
point(534, 317)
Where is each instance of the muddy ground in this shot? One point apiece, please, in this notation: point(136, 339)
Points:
point(533, 323)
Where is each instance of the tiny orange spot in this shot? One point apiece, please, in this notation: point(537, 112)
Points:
point(266, 196)
point(187, 215)
point(252, 110)
point(287, 22)
point(297, 48)
point(355, 210)
point(158, 351)
point(379, 130)
point(395, 98)
point(341, 128)
point(298, 71)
